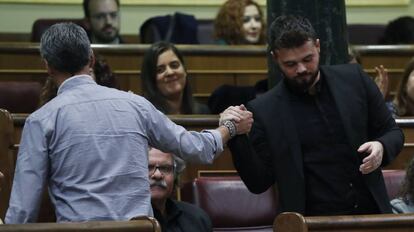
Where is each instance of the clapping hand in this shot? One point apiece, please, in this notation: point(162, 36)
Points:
point(382, 80)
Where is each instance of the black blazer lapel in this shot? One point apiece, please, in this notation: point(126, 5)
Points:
point(289, 127)
point(345, 99)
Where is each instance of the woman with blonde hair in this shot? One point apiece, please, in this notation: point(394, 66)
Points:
point(240, 22)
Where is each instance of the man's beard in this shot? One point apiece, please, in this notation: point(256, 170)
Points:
point(299, 85)
point(105, 38)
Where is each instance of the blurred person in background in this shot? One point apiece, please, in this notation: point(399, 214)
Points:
point(101, 72)
point(240, 22)
point(405, 202)
point(103, 19)
point(403, 103)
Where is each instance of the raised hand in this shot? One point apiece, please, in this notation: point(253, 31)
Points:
point(382, 80)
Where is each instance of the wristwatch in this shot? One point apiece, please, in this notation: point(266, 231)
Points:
point(231, 126)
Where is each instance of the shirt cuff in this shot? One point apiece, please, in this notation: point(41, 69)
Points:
point(218, 141)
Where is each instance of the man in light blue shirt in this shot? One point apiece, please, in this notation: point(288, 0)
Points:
point(89, 144)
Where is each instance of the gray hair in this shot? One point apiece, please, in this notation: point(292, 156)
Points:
point(179, 165)
point(66, 47)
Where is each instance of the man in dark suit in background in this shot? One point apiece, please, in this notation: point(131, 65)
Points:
point(321, 134)
point(104, 20)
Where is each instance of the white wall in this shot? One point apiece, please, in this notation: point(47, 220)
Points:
point(18, 18)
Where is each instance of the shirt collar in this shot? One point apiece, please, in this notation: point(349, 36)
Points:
point(75, 81)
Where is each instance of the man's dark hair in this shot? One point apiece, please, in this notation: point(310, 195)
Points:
point(290, 31)
point(86, 7)
point(399, 31)
point(66, 47)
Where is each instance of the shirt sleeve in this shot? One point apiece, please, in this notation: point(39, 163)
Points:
point(163, 134)
point(32, 167)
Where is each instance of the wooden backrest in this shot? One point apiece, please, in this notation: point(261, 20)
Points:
point(41, 25)
point(6, 159)
point(20, 97)
point(209, 66)
point(295, 222)
point(143, 224)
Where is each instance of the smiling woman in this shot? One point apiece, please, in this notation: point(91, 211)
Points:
point(165, 81)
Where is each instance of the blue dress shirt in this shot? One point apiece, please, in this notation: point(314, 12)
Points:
point(89, 145)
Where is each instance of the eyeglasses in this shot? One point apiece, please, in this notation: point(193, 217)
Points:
point(164, 169)
point(103, 15)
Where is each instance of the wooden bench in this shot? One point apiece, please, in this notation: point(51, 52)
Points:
point(294, 222)
point(404, 158)
point(209, 66)
point(142, 224)
point(393, 57)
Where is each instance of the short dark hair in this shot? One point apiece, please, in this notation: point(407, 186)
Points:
point(149, 76)
point(86, 7)
point(290, 31)
point(66, 47)
point(399, 31)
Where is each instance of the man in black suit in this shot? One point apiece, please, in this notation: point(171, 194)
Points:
point(321, 135)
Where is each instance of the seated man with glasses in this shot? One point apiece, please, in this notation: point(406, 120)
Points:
point(172, 215)
point(103, 19)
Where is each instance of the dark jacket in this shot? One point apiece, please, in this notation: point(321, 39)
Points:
point(182, 217)
point(272, 153)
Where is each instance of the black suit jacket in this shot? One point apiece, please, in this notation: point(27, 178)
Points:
point(271, 154)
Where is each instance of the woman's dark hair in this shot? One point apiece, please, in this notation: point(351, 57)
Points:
point(149, 79)
point(407, 188)
point(103, 73)
point(401, 98)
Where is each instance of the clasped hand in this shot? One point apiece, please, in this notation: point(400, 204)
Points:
point(241, 116)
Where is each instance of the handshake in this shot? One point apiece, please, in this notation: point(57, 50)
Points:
point(237, 119)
